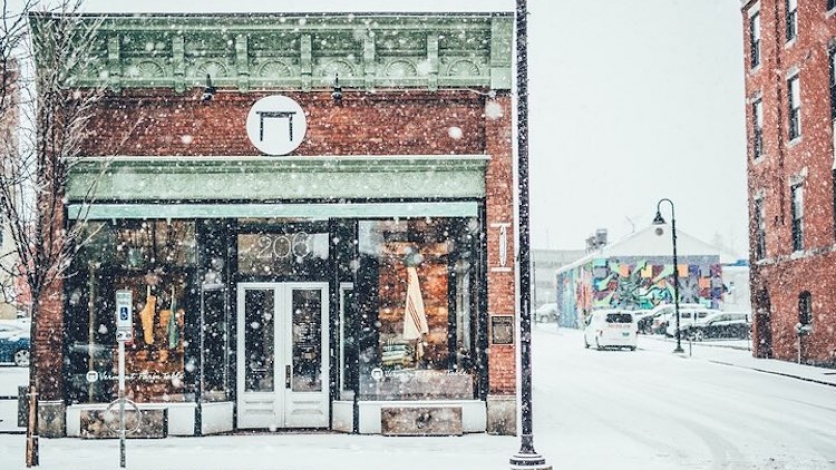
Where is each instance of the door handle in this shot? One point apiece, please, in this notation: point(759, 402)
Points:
point(287, 376)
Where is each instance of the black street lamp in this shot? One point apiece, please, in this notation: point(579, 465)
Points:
point(659, 220)
point(527, 458)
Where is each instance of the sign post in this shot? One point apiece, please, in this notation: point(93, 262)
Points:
point(124, 332)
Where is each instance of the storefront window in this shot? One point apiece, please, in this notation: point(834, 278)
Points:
point(414, 296)
point(292, 252)
point(154, 260)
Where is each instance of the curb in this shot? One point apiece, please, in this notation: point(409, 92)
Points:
point(782, 374)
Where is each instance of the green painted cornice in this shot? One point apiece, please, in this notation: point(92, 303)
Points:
point(300, 51)
point(136, 179)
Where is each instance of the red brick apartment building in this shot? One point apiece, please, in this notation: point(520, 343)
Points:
point(322, 238)
point(790, 63)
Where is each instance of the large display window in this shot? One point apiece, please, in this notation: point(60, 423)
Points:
point(415, 301)
point(404, 298)
point(155, 260)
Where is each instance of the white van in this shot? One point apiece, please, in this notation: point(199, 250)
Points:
point(610, 328)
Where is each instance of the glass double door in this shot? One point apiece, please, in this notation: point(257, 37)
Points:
point(282, 355)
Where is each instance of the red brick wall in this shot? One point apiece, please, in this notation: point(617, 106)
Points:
point(49, 332)
point(784, 284)
point(48, 344)
point(153, 122)
point(500, 210)
point(784, 274)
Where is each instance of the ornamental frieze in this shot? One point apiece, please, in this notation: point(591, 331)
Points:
point(301, 51)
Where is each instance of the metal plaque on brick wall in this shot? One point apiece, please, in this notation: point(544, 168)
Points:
point(502, 329)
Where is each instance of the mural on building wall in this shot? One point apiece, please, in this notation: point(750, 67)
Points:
point(637, 284)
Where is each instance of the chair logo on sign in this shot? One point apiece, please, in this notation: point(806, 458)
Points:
point(276, 125)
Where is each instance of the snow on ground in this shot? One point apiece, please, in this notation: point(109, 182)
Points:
point(646, 410)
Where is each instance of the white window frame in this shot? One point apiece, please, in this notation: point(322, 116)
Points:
point(791, 20)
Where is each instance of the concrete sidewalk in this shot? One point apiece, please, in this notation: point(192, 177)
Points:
point(739, 354)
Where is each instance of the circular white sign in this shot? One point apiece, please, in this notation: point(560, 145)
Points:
point(276, 125)
point(92, 376)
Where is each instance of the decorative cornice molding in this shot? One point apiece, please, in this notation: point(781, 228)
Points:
point(300, 51)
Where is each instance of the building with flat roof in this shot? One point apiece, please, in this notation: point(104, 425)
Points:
point(311, 216)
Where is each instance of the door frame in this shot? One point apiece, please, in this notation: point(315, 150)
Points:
point(283, 352)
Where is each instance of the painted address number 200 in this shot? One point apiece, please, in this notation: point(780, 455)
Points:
point(283, 246)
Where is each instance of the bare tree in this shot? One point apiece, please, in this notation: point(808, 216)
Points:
point(53, 43)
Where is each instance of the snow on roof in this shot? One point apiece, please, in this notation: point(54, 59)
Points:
point(646, 242)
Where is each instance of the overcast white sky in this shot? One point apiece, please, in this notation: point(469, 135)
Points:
point(630, 102)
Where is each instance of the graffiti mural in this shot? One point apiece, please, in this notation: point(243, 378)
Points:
point(636, 284)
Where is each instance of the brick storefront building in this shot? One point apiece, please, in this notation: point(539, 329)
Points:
point(298, 255)
point(790, 52)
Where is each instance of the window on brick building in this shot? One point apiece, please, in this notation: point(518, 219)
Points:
point(792, 19)
point(832, 62)
point(415, 293)
point(805, 308)
point(831, 4)
point(760, 229)
point(757, 129)
point(755, 39)
point(794, 103)
point(797, 207)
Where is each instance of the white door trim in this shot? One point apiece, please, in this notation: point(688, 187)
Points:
point(282, 408)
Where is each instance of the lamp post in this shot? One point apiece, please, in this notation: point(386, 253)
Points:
point(659, 220)
point(527, 458)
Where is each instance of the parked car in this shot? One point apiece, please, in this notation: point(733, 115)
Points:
point(610, 328)
point(546, 313)
point(721, 325)
point(657, 319)
point(688, 317)
point(14, 344)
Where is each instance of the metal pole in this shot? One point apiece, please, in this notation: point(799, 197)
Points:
point(121, 342)
point(675, 281)
point(527, 457)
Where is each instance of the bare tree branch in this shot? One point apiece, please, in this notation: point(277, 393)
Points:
point(44, 117)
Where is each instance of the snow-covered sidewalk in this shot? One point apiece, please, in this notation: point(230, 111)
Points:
point(281, 451)
point(739, 354)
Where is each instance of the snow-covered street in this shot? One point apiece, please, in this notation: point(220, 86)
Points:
point(648, 409)
point(652, 409)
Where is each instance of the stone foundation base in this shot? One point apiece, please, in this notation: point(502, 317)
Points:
point(52, 419)
point(502, 415)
